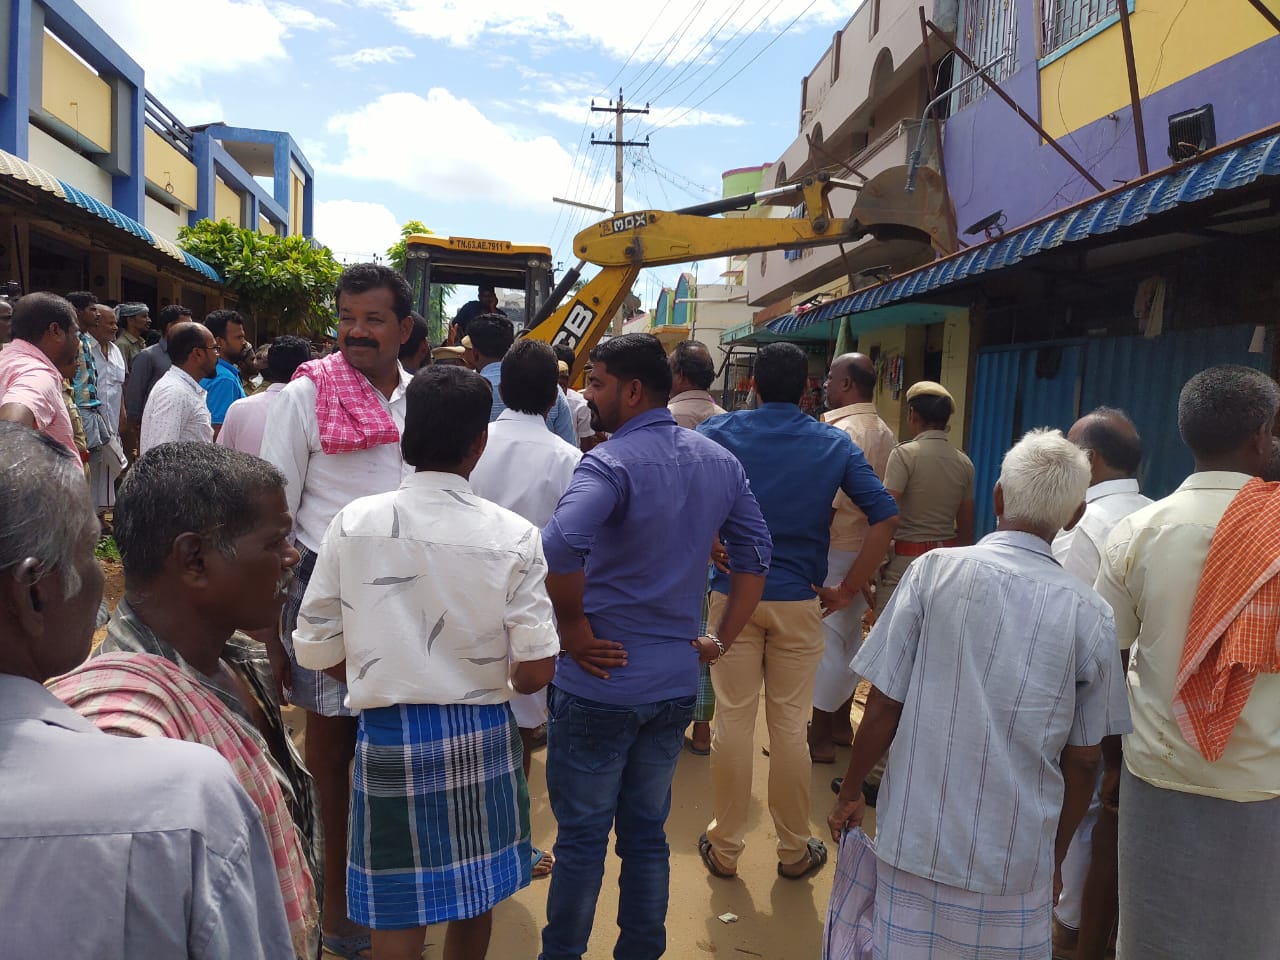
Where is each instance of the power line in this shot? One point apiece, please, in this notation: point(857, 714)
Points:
point(696, 58)
point(652, 67)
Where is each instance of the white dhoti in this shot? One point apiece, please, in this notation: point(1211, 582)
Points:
point(842, 635)
point(1075, 866)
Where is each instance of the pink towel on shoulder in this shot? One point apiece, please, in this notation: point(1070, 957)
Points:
point(348, 410)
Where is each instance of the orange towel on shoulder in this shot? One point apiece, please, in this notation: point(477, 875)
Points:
point(1234, 633)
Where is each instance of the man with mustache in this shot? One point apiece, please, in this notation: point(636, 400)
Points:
point(334, 432)
point(224, 388)
point(203, 536)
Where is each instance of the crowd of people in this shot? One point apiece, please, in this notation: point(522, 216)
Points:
point(446, 557)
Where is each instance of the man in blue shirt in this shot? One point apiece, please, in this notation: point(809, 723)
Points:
point(626, 553)
point(224, 387)
point(490, 338)
point(796, 466)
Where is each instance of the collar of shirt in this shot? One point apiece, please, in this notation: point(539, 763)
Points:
point(187, 380)
point(531, 419)
point(646, 419)
point(491, 370)
point(24, 699)
point(849, 410)
point(1109, 488)
point(1023, 541)
point(24, 348)
point(129, 338)
point(693, 395)
point(931, 435)
point(227, 369)
point(275, 387)
point(1215, 480)
point(434, 480)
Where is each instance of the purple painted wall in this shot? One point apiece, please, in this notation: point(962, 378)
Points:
point(995, 161)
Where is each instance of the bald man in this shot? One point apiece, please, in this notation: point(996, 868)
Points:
point(1087, 907)
point(850, 395)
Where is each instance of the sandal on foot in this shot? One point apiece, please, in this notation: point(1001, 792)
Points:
point(698, 751)
point(543, 861)
point(710, 862)
point(815, 856)
point(358, 946)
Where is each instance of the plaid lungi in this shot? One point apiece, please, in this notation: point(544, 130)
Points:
point(313, 690)
point(439, 815)
point(851, 911)
point(704, 707)
point(920, 919)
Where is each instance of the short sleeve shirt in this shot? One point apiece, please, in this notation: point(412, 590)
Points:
point(933, 478)
point(29, 378)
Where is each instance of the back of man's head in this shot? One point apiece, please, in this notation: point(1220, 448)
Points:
point(363, 277)
point(637, 356)
point(184, 339)
point(1111, 436)
point(491, 335)
point(185, 487)
point(446, 410)
point(530, 377)
point(1043, 478)
point(36, 312)
point(565, 354)
point(219, 320)
point(173, 313)
point(1223, 408)
point(781, 373)
point(692, 360)
point(284, 356)
point(417, 337)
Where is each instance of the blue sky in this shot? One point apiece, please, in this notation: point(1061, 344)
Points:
point(471, 114)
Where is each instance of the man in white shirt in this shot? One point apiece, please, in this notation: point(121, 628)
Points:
point(1182, 815)
point(176, 409)
point(374, 306)
point(107, 461)
point(1086, 912)
point(246, 418)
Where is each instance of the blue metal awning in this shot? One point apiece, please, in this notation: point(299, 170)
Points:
point(1231, 167)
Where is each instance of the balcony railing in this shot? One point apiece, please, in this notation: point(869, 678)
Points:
point(159, 118)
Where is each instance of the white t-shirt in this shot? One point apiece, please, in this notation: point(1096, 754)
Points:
point(1079, 549)
point(581, 413)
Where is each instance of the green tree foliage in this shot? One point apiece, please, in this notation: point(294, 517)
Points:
point(285, 283)
point(437, 321)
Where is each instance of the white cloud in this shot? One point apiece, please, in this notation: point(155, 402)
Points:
point(679, 36)
point(371, 55)
point(443, 148)
point(300, 17)
point(576, 111)
point(354, 229)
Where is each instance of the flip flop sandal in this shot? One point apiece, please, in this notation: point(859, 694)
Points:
point(816, 853)
point(543, 862)
point(710, 862)
point(699, 751)
point(356, 947)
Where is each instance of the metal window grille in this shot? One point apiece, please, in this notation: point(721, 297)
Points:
point(1064, 20)
point(988, 31)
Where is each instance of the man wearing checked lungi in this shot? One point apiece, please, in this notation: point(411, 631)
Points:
point(429, 603)
point(995, 676)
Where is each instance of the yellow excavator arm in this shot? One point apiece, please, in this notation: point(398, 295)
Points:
point(625, 244)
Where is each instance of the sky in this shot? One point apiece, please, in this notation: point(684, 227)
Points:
point(470, 115)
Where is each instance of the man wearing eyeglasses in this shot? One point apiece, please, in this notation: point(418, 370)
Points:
point(176, 409)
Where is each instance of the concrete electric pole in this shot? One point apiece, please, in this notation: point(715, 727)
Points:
point(618, 143)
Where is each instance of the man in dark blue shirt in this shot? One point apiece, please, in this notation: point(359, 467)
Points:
point(796, 466)
point(626, 555)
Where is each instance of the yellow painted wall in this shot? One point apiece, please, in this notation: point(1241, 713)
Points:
point(165, 165)
point(955, 369)
point(1172, 40)
point(266, 226)
point(295, 204)
point(226, 203)
point(76, 95)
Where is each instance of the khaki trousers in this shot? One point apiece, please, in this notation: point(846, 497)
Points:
point(779, 649)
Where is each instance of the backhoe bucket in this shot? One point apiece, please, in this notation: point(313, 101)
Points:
point(887, 211)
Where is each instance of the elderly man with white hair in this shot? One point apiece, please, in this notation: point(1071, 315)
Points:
point(995, 676)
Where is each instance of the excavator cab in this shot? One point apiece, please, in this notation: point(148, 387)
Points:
point(440, 269)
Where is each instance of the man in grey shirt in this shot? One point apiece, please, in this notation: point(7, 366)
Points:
point(109, 848)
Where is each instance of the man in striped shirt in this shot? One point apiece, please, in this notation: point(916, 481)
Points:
point(995, 676)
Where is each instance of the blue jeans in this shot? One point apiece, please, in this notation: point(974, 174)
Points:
point(611, 767)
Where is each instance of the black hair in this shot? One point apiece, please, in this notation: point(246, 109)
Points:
point(36, 312)
point(284, 356)
point(692, 360)
point(446, 409)
point(1119, 448)
point(361, 277)
point(530, 377)
point(1221, 408)
point(491, 335)
point(933, 411)
point(417, 336)
point(81, 299)
point(172, 314)
point(781, 372)
point(187, 339)
point(565, 354)
point(637, 356)
point(186, 487)
point(218, 320)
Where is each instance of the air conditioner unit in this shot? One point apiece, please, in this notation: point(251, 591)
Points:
point(1191, 133)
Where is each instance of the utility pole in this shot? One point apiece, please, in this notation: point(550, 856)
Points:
point(618, 143)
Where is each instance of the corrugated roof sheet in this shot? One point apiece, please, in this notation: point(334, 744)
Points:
point(20, 169)
point(1230, 168)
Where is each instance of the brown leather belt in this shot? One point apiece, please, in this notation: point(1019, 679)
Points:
point(907, 549)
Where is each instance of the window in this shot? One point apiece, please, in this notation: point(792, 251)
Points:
point(988, 32)
point(1064, 20)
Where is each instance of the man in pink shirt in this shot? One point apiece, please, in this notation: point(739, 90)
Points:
point(247, 417)
point(45, 348)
